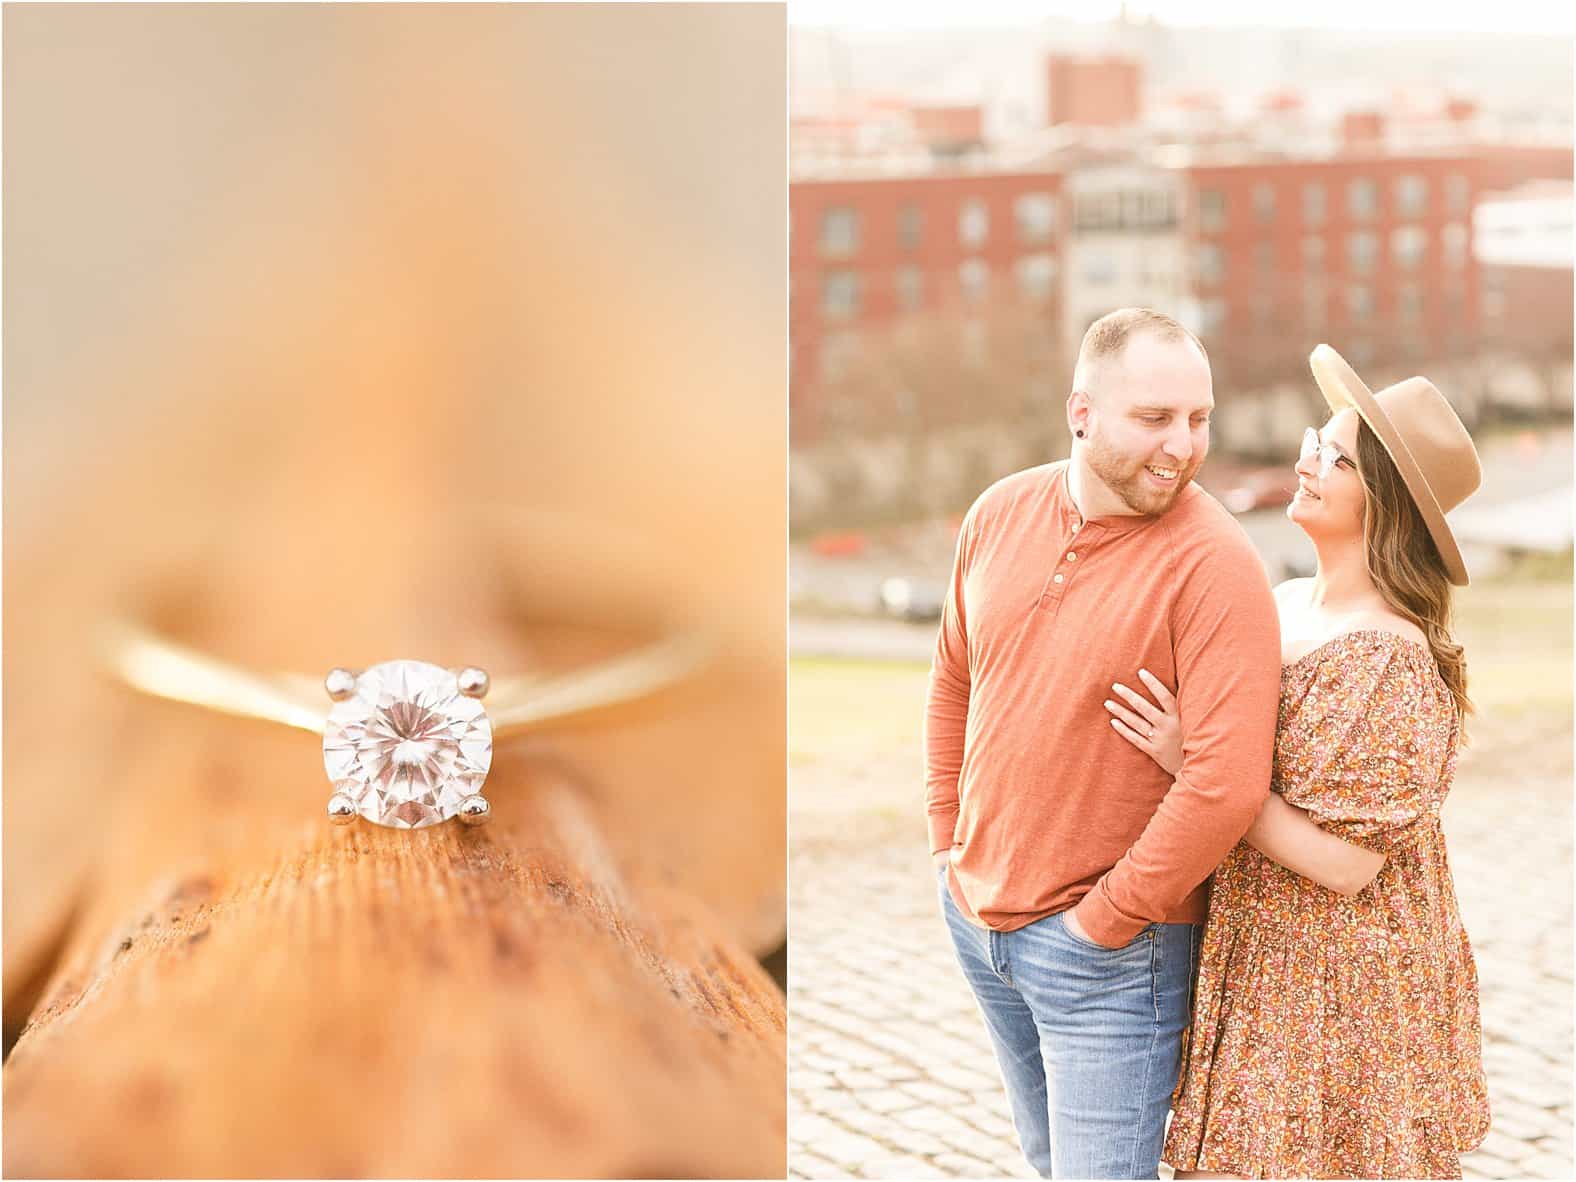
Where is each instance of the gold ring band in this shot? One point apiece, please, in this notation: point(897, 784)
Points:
point(407, 743)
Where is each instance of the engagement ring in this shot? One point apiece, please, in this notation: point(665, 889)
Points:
point(406, 744)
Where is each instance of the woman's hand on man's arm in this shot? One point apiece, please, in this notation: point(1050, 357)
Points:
point(1282, 831)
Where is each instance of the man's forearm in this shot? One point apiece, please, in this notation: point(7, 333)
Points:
point(1191, 831)
point(947, 708)
point(1286, 834)
point(946, 720)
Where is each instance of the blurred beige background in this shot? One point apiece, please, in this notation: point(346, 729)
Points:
point(290, 290)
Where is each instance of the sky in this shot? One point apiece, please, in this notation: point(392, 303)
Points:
point(1501, 16)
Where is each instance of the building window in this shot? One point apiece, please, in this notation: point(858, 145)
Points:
point(839, 232)
point(1264, 261)
point(1036, 217)
point(1493, 297)
point(976, 354)
point(1313, 204)
point(1455, 305)
point(1211, 262)
point(1264, 201)
point(1098, 211)
point(1359, 301)
point(1099, 268)
point(1409, 303)
point(1313, 253)
point(1411, 196)
point(973, 223)
point(974, 280)
point(840, 295)
point(1166, 203)
point(1362, 248)
point(910, 226)
point(1037, 277)
point(1211, 210)
point(1154, 274)
point(1211, 317)
point(1138, 209)
point(1453, 238)
point(1407, 244)
point(1362, 199)
point(910, 288)
point(1458, 193)
point(1315, 300)
point(839, 353)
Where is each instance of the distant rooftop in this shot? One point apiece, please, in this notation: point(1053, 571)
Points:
point(1061, 149)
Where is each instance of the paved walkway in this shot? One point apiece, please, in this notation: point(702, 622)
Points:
point(890, 1071)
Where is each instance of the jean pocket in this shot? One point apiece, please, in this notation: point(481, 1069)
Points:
point(1085, 942)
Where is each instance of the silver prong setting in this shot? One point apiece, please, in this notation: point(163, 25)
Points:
point(340, 684)
point(341, 809)
point(474, 810)
point(474, 682)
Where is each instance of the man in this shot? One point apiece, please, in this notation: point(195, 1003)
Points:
point(1073, 868)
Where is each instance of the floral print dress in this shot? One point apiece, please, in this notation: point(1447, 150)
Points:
point(1337, 1037)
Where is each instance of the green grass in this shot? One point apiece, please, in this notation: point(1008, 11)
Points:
point(839, 707)
point(1518, 641)
point(1517, 633)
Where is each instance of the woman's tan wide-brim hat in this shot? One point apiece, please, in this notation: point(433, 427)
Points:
point(1423, 435)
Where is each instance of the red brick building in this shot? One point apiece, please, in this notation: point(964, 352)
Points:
point(1092, 92)
point(1362, 130)
point(1524, 250)
point(866, 254)
point(949, 129)
point(1371, 253)
point(1505, 166)
point(1365, 246)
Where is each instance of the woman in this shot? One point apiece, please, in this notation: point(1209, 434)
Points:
point(1335, 1024)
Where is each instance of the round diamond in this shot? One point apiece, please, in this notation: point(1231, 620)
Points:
point(407, 746)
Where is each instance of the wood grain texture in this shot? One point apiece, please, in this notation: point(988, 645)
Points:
point(251, 992)
point(247, 991)
point(436, 1004)
point(312, 327)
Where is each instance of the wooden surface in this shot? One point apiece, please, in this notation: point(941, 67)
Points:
point(374, 1003)
point(245, 990)
point(282, 408)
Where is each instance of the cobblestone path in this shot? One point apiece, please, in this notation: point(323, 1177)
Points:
point(890, 1070)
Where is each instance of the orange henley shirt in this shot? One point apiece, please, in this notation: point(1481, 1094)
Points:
point(1043, 805)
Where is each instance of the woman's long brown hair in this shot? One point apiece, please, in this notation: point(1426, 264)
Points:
point(1404, 562)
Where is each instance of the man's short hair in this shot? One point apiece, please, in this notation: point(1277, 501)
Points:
point(1107, 336)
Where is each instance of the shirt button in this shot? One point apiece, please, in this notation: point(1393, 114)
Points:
point(1077, 525)
point(1071, 557)
point(1057, 579)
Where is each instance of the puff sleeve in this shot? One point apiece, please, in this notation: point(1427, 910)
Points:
point(1382, 728)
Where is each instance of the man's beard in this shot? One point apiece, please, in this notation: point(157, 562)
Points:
point(1128, 480)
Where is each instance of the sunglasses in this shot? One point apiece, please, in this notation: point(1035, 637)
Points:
point(1330, 456)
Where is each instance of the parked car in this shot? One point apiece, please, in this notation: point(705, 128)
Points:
point(909, 598)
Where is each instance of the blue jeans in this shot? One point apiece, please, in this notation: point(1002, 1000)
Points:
point(1089, 1039)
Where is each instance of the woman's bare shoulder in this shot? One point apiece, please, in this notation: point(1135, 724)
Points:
point(1293, 589)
